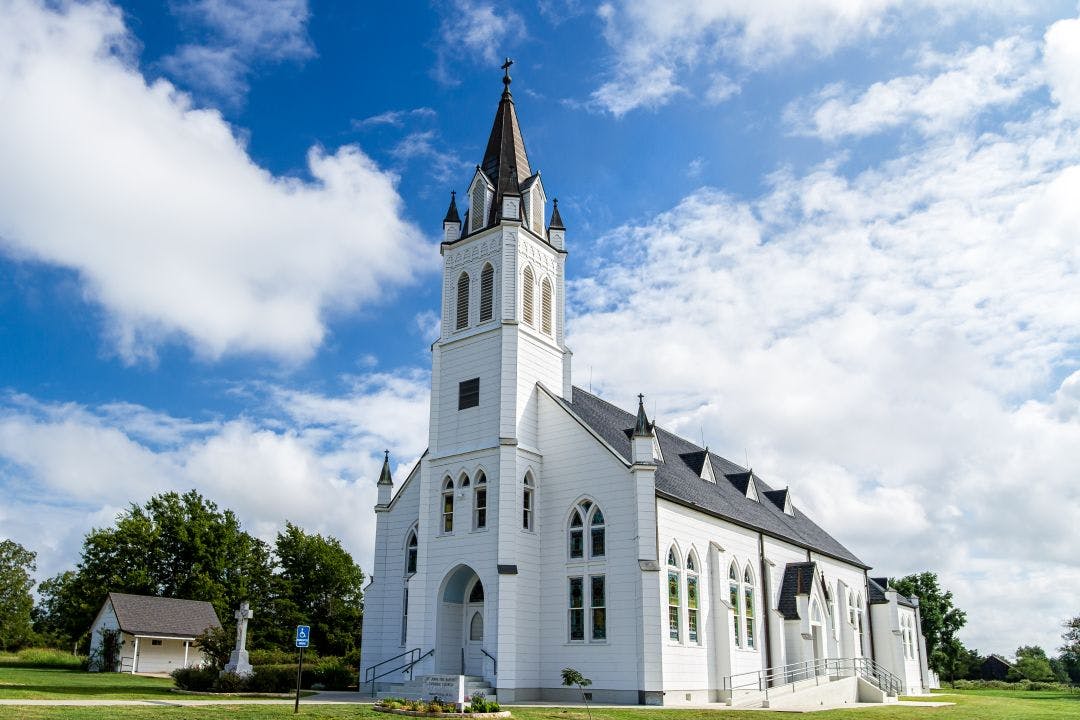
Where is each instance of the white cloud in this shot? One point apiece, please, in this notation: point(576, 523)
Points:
point(241, 32)
point(72, 467)
point(892, 345)
point(476, 31)
point(160, 211)
point(962, 86)
point(679, 38)
point(650, 89)
point(443, 165)
point(1062, 57)
point(394, 118)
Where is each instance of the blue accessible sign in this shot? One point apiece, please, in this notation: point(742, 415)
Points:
point(303, 635)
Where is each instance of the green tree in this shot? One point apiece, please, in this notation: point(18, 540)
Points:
point(1031, 664)
point(571, 677)
point(1070, 650)
point(16, 602)
point(941, 620)
point(175, 545)
point(317, 583)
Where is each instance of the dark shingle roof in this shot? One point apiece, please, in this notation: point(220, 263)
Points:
point(778, 497)
point(677, 480)
point(798, 579)
point(877, 590)
point(147, 615)
point(505, 162)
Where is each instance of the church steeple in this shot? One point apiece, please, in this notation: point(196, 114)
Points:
point(505, 162)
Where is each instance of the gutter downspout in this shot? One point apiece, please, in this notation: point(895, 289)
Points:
point(869, 614)
point(766, 603)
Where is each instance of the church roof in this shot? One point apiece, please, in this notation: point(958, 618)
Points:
point(170, 617)
point(678, 481)
point(451, 212)
point(505, 163)
point(878, 587)
point(556, 219)
point(798, 580)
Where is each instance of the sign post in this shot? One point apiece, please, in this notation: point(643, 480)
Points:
point(303, 637)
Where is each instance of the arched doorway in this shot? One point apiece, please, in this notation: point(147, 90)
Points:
point(817, 631)
point(460, 629)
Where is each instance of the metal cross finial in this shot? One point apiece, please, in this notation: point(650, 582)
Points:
point(506, 73)
point(506, 65)
point(640, 398)
point(386, 454)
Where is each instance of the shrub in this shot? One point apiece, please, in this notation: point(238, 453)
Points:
point(272, 679)
point(333, 674)
point(231, 683)
point(480, 704)
point(195, 679)
point(273, 656)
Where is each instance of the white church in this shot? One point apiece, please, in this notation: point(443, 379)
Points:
point(546, 528)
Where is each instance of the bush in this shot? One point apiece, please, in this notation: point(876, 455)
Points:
point(272, 679)
point(333, 674)
point(43, 658)
point(195, 679)
point(273, 656)
point(231, 683)
point(1003, 685)
point(480, 704)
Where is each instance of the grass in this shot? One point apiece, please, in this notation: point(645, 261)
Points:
point(970, 705)
point(30, 683)
point(41, 658)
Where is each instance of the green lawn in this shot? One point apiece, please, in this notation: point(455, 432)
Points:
point(970, 705)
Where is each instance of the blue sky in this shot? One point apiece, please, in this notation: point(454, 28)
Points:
point(845, 233)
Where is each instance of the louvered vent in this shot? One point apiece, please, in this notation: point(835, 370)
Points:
point(476, 209)
point(527, 283)
point(537, 215)
point(462, 302)
point(487, 290)
point(545, 306)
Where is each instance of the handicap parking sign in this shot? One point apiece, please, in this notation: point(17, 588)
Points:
point(303, 635)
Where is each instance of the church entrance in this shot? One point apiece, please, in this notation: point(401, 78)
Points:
point(460, 630)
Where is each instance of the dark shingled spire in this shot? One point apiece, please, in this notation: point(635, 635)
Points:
point(505, 162)
point(451, 212)
point(642, 428)
point(556, 218)
point(384, 476)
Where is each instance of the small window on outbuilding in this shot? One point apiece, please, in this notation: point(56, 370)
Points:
point(468, 393)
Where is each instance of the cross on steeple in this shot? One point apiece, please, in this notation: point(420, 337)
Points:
point(506, 74)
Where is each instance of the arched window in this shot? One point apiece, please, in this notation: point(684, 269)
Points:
point(410, 553)
point(476, 627)
point(487, 292)
point(851, 607)
point(597, 546)
point(673, 582)
point(748, 609)
point(858, 626)
point(733, 597)
point(545, 306)
point(577, 535)
point(476, 206)
point(448, 506)
point(527, 289)
point(462, 321)
point(480, 502)
point(476, 595)
point(527, 503)
point(692, 598)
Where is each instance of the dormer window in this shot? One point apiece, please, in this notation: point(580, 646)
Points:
point(751, 489)
point(707, 469)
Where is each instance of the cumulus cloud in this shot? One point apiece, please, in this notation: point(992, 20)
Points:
point(1062, 58)
point(475, 31)
point(164, 217)
point(962, 86)
point(900, 346)
point(73, 467)
point(237, 33)
point(678, 38)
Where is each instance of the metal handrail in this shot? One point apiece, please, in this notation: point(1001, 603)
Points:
point(370, 676)
point(764, 680)
point(494, 662)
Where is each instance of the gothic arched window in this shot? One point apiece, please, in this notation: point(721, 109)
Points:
point(462, 320)
point(448, 506)
point(588, 571)
point(527, 500)
point(545, 306)
point(577, 535)
point(674, 581)
point(598, 539)
point(748, 608)
point(692, 602)
point(480, 502)
point(487, 292)
point(476, 627)
point(410, 553)
point(528, 282)
point(733, 597)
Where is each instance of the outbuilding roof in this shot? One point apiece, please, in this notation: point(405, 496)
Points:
point(149, 615)
point(678, 479)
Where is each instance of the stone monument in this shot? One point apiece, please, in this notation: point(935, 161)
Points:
point(238, 658)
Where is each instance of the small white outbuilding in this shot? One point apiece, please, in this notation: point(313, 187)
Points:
point(156, 634)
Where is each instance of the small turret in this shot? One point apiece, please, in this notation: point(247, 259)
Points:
point(452, 222)
point(643, 438)
point(556, 230)
point(386, 482)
